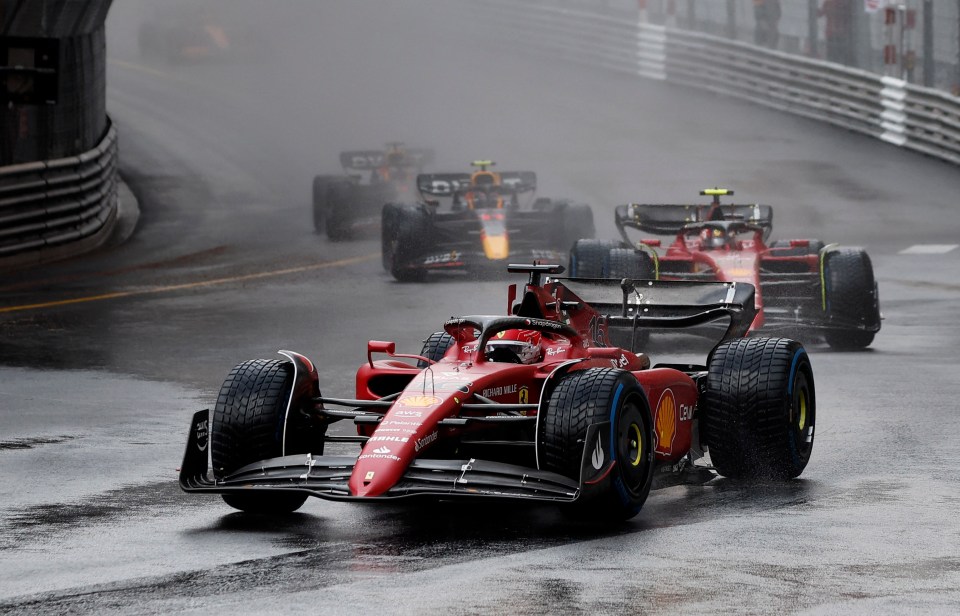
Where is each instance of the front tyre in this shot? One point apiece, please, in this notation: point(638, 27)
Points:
point(248, 426)
point(759, 409)
point(595, 396)
point(435, 347)
point(403, 240)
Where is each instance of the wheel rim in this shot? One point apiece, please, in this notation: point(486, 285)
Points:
point(803, 413)
point(634, 444)
point(802, 404)
point(635, 447)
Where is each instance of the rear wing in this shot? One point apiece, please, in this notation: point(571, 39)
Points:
point(368, 160)
point(670, 219)
point(454, 184)
point(661, 304)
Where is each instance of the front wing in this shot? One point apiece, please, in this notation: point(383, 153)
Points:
point(454, 242)
point(327, 476)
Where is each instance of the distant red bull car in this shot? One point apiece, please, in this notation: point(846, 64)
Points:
point(802, 285)
point(478, 223)
point(534, 405)
point(348, 206)
point(189, 32)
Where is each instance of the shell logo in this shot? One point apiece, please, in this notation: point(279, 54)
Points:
point(419, 402)
point(665, 422)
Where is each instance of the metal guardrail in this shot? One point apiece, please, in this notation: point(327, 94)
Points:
point(905, 115)
point(58, 203)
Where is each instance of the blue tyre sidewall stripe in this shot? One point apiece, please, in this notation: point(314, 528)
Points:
point(793, 369)
point(613, 428)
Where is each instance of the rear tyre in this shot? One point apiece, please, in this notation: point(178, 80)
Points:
point(588, 258)
point(593, 396)
point(852, 307)
point(759, 409)
point(248, 424)
point(577, 223)
point(340, 197)
point(321, 204)
point(435, 347)
point(320, 186)
point(629, 263)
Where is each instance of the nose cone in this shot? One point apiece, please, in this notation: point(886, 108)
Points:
point(496, 247)
point(378, 468)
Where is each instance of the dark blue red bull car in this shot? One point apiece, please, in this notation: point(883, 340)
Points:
point(478, 223)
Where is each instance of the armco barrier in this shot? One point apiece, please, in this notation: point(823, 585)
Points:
point(56, 207)
point(909, 116)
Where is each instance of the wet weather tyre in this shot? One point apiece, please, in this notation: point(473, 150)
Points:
point(403, 241)
point(588, 258)
point(594, 396)
point(577, 223)
point(435, 347)
point(339, 201)
point(759, 410)
point(388, 217)
point(320, 205)
point(851, 305)
point(248, 425)
point(629, 263)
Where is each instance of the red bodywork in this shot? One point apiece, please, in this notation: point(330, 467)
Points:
point(728, 243)
point(431, 395)
point(741, 258)
point(468, 424)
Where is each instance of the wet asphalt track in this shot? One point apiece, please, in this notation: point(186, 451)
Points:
point(95, 395)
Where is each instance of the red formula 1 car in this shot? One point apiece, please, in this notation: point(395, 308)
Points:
point(532, 406)
point(801, 284)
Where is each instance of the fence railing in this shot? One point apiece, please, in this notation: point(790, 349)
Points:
point(905, 115)
point(58, 203)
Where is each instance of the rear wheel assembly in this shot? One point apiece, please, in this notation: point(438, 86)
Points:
point(759, 409)
point(851, 306)
point(588, 258)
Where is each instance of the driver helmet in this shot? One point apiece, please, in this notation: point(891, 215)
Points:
point(482, 199)
point(713, 238)
point(521, 346)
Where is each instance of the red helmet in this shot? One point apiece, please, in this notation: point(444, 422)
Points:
point(515, 345)
point(713, 238)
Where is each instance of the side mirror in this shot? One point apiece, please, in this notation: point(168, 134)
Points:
point(379, 346)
